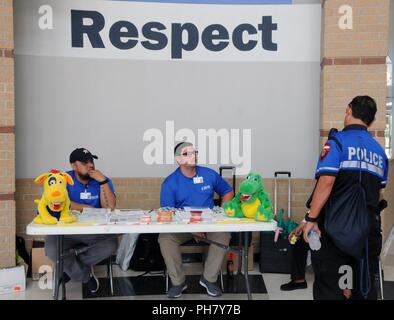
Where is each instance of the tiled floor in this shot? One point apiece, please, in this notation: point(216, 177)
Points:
point(75, 292)
point(388, 258)
point(270, 291)
point(388, 265)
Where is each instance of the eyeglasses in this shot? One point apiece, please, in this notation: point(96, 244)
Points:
point(190, 153)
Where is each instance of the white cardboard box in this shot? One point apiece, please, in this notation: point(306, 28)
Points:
point(12, 280)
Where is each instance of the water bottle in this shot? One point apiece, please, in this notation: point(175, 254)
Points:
point(314, 240)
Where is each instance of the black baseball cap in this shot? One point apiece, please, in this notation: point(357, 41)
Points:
point(81, 154)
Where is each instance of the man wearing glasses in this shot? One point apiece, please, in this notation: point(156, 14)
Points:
point(192, 186)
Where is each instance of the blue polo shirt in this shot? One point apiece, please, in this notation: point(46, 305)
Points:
point(353, 155)
point(357, 150)
point(86, 194)
point(178, 191)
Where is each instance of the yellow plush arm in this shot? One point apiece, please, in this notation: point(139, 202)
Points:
point(65, 214)
point(43, 215)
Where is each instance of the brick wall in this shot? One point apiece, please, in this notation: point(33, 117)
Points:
point(354, 63)
point(144, 193)
point(388, 213)
point(7, 137)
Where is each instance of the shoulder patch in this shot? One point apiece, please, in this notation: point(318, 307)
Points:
point(325, 151)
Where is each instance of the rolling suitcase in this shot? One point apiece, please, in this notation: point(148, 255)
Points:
point(221, 169)
point(275, 257)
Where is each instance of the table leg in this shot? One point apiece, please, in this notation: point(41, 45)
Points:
point(245, 264)
point(240, 254)
point(57, 270)
point(62, 268)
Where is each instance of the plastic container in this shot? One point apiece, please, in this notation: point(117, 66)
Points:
point(164, 216)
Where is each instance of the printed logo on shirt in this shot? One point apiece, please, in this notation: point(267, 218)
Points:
point(364, 159)
point(325, 151)
point(203, 188)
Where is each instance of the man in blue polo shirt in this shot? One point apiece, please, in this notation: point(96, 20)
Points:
point(192, 186)
point(91, 189)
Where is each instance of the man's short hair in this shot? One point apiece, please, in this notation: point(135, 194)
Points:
point(364, 108)
point(180, 145)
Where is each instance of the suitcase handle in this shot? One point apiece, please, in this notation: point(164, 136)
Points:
point(221, 169)
point(277, 173)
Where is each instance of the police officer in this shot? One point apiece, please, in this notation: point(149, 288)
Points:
point(344, 155)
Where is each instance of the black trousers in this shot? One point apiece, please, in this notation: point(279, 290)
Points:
point(298, 262)
point(329, 259)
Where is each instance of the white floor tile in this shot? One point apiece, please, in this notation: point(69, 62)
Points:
point(273, 281)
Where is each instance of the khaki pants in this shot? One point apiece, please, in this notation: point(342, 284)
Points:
point(170, 249)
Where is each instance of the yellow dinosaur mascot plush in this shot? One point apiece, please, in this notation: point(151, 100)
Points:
point(54, 204)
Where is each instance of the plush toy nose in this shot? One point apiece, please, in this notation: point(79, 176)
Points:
point(56, 193)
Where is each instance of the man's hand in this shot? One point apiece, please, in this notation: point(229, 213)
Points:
point(78, 206)
point(198, 236)
point(309, 226)
point(297, 231)
point(96, 175)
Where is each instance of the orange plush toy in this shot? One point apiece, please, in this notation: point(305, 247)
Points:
point(54, 204)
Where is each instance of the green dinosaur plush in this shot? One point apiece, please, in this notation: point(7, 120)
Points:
point(251, 201)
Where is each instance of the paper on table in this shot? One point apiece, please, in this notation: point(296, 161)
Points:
point(101, 215)
point(96, 210)
point(126, 216)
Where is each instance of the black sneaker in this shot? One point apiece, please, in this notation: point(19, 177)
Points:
point(93, 283)
point(293, 286)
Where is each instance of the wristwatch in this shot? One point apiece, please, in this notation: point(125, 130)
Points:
point(308, 218)
point(103, 182)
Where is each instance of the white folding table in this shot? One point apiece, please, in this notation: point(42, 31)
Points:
point(235, 225)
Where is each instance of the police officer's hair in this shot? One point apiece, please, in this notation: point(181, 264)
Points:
point(364, 108)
